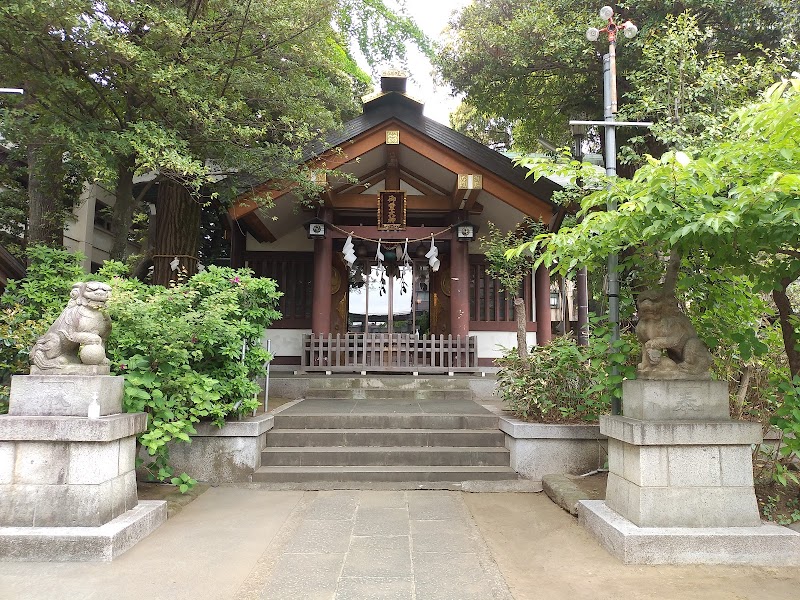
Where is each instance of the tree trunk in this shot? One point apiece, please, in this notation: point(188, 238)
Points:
point(176, 235)
point(45, 210)
point(522, 322)
point(122, 218)
point(741, 393)
point(786, 317)
point(583, 306)
point(673, 268)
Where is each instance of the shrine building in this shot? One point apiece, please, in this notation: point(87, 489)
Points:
point(386, 272)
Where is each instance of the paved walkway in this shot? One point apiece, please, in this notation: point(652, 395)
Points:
point(352, 545)
point(243, 544)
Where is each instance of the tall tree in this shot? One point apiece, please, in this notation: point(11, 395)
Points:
point(531, 64)
point(190, 90)
point(733, 207)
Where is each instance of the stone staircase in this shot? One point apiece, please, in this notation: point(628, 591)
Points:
point(391, 429)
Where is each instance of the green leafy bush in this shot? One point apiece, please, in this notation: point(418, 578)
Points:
point(189, 353)
point(787, 419)
point(566, 383)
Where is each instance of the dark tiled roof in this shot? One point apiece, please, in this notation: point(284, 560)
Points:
point(404, 109)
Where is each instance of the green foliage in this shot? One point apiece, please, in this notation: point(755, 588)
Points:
point(43, 292)
point(770, 510)
point(189, 353)
point(787, 419)
point(689, 88)
point(194, 91)
point(29, 306)
point(509, 269)
point(184, 482)
point(494, 132)
point(13, 208)
point(530, 64)
point(736, 202)
point(564, 382)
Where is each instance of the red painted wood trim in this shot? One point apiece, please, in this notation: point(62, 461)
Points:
point(499, 326)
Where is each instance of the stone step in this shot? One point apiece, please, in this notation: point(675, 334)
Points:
point(421, 438)
point(385, 421)
point(387, 456)
point(382, 473)
point(387, 394)
point(390, 382)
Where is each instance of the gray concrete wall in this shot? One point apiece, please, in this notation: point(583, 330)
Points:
point(539, 449)
point(227, 455)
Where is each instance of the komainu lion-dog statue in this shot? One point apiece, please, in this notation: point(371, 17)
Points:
point(76, 342)
point(670, 346)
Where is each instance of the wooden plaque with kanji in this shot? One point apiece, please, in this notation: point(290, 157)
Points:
point(392, 210)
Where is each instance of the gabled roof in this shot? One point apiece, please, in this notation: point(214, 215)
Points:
point(395, 105)
point(428, 152)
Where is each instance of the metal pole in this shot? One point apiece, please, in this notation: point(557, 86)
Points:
point(609, 108)
point(266, 379)
point(581, 281)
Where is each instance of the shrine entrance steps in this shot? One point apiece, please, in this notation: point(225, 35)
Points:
point(350, 432)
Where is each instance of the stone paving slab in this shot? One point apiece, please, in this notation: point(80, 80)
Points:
point(228, 543)
point(360, 545)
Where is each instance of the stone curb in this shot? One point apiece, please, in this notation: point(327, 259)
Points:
point(564, 492)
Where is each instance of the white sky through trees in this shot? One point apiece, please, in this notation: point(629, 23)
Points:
point(432, 17)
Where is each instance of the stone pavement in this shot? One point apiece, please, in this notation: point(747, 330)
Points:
point(352, 545)
point(243, 544)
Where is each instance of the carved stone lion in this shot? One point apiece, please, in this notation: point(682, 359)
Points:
point(76, 342)
point(670, 346)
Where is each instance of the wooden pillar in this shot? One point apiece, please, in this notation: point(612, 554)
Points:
point(542, 306)
point(323, 263)
point(392, 177)
point(459, 288)
point(238, 244)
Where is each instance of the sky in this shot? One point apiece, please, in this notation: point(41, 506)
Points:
point(432, 17)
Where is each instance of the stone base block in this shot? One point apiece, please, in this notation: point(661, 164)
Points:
point(539, 449)
point(766, 545)
point(697, 506)
point(659, 400)
point(82, 544)
point(230, 454)
point(65, 395)
point(68, 505)
point(681, 473)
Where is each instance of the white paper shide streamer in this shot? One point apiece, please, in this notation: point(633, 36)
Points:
point(433, 256)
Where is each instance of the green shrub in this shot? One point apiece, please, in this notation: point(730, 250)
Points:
point(189, 353)
point(566, 383)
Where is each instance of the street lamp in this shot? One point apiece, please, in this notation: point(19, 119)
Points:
point(611, 29)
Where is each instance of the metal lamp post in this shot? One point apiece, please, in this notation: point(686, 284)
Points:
point(611, 29)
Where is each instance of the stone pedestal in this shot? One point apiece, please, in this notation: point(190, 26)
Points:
point(66, 480)
point(681, 477)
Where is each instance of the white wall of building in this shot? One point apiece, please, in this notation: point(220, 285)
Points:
point(82, 235)
point(492, 344)
point(285, 342)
